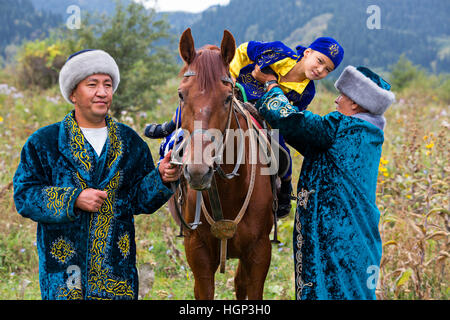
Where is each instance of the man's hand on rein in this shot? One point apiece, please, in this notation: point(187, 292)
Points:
point(169, 172)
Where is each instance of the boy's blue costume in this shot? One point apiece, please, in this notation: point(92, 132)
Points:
point(82, 254)
point(267, 54)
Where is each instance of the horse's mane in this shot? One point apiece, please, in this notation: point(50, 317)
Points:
point(208, 65)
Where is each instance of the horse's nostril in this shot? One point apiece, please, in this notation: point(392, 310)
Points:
point(198, 178)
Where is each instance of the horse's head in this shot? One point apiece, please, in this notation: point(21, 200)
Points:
point(206, 93)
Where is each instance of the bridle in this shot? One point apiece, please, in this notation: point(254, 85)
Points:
point(220, 145)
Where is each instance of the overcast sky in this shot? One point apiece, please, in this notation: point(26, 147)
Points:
point(182, 5)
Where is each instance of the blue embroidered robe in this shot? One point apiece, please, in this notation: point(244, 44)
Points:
point(281, 60)
point(81, 254)
point(337, 245)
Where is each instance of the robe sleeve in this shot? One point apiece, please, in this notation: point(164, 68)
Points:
point(34, 195)
point(150, 193)
point(301, 129)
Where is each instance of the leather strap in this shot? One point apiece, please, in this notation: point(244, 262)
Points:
point(214, 201)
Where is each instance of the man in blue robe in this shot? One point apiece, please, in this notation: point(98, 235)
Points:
point(82, 180)
point(337, 245)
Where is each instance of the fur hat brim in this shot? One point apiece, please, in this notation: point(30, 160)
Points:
point(364, 91)
point(83, 65)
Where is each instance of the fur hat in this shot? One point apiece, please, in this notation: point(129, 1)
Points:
point(366, 88)
point(83, 64)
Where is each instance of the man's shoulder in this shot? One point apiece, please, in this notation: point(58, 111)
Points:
point(128, 131)
point(49, 132)
point(130, 135)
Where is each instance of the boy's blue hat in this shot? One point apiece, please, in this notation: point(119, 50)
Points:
point(328, 46)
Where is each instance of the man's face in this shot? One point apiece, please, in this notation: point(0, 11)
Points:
point(93, 97)
point(345, 105)
point(317, 65)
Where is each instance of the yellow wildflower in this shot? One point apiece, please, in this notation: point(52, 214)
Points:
point(386, 174)
point(384, 161)
point(1, 119)
point(430, 146)
point(425, 138)
point(408, 196)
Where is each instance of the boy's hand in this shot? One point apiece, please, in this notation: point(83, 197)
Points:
point(261, 76)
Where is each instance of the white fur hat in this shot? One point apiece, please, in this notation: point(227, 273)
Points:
point(365, 88)
point(83, 64)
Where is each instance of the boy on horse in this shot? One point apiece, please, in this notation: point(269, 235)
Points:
point(295, 71)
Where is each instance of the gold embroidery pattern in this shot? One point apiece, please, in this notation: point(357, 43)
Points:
point(251, 84)
point(70, 294)
point(83, 183)
point(299, 260)
point(333, 50)
point(115, 145)
point(55, 198)
point(124, 245)
point(77, 143)
point(98, 278)
point(62, 250)
point(303, 196)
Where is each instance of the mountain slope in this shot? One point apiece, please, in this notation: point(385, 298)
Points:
point(420, 29)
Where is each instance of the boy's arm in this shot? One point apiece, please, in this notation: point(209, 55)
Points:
point(240, 60)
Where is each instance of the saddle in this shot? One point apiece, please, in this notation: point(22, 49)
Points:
point(282, 157)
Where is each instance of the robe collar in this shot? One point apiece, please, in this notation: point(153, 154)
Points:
point(92, 171)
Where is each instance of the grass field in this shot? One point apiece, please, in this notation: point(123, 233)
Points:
point(413, 198)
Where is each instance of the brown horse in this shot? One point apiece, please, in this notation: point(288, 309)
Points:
point(206, 96)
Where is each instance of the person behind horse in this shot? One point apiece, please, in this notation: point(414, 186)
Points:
point(82, 180)
point(337, 244)
point(295, 72)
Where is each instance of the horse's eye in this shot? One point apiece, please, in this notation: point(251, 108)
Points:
point(228, 99)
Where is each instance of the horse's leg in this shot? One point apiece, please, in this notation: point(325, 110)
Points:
point(241, 282)
point(257, 263)
point(202, 267)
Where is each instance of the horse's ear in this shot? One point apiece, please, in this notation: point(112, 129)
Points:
point(227, 47)
point(187, 48)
